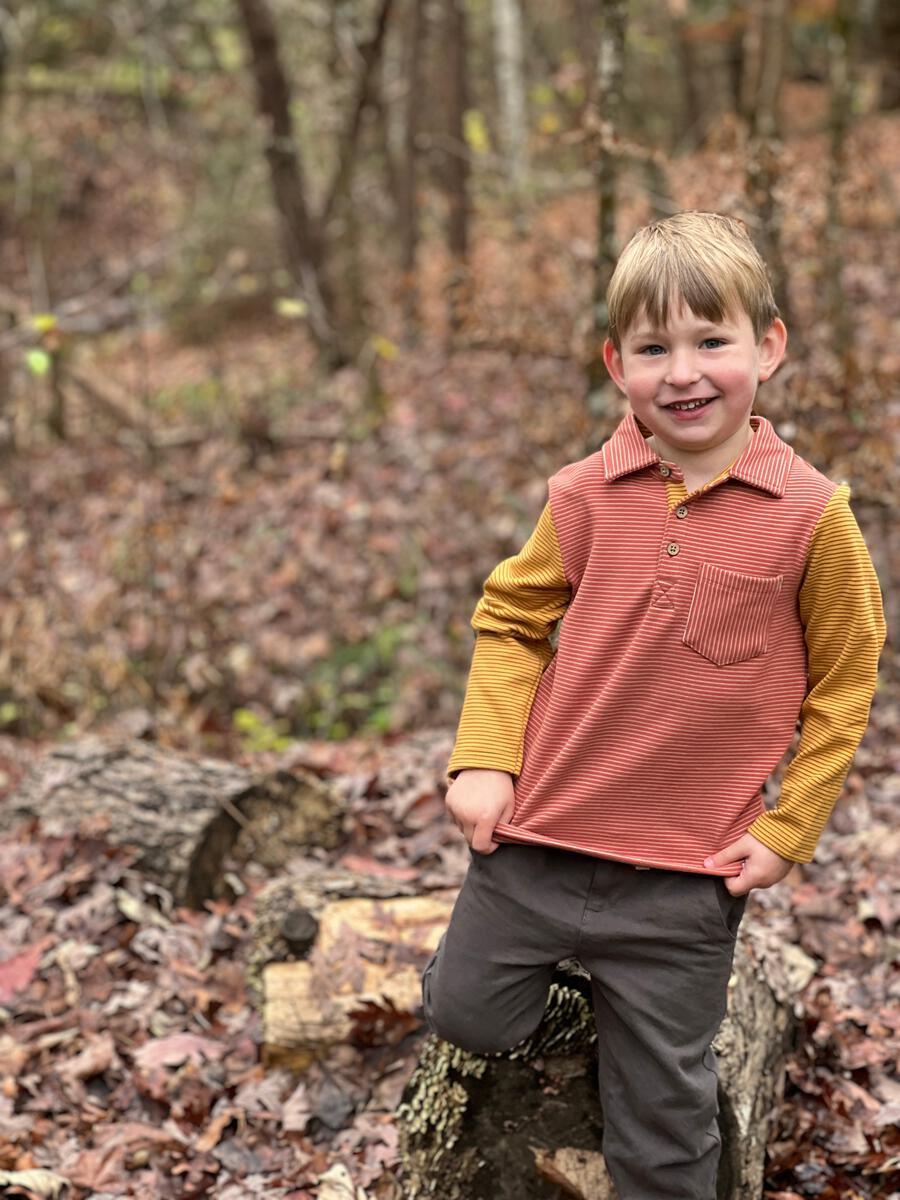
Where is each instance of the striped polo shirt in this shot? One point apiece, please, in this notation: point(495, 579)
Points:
point(693, 631)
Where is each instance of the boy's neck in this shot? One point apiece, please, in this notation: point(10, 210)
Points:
point(703, 465)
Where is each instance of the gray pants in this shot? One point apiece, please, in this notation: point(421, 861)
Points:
point(658, 945)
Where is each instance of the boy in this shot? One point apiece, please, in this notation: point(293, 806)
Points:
point(713, 588)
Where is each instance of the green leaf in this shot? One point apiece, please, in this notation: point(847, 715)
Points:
point(475, 132)
point(384, 347)
point(43, 322)
point(290, 306)
point(38, 361)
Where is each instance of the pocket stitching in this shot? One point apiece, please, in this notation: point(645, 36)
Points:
point(713, 580)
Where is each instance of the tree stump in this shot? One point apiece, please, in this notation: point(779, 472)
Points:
point(528, 1123)
point(182, 815)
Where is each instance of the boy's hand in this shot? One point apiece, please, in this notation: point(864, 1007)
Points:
point(760, 866)
point(476, 800)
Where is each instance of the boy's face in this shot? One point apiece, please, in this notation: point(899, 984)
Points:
point(719, 364)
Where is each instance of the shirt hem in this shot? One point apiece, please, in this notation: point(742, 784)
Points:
point(512, 833)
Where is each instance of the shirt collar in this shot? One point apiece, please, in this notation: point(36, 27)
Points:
point(764, 464)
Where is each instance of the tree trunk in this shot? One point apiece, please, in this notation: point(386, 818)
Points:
point(840, 36)
point(458, 163)
point(409, 207)
point(694, 116)
point(182, 815)
point(509, 60)
point(301, 237)
point(889, 37)
point(766, 46)
point(370, 56)
point(606, 166)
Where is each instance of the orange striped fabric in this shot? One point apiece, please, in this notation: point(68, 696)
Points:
point(693, 632)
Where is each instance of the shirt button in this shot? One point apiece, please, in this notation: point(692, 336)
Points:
point(672, 549)
point(681, 512)
point(665, 471)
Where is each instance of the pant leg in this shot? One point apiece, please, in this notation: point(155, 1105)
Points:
point(516, 916)
point(659, 946)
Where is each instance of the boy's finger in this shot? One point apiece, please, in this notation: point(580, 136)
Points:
point(733, 853)
point(482, 840)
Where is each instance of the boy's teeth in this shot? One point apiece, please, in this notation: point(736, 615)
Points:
point(687, 405)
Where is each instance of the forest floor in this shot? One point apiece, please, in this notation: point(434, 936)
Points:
point(286, 579)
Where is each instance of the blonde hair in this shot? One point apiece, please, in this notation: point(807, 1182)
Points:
point(705, 259)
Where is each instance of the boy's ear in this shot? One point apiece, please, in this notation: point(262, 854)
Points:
point(772, 346)
point(612, 359)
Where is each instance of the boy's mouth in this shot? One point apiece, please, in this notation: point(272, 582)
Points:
point(690, 405)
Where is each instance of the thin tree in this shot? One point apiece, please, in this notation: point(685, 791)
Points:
point(304, 232)
point(765, 61)
point(889, 40)
point(509, 66)
point(840, 38)
point(300, 233)
point(409, 173)
point(606, 165)
point(457, 172)
point(690, 76)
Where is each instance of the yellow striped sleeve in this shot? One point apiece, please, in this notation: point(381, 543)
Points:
point(523, 598)
point(841, 611)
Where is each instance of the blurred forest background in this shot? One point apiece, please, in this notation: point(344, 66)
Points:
point(301, 303)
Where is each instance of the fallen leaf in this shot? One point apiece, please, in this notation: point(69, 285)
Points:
point(17, 972)
point(176, 1049)
point(336, 1184)
point(45, 1183)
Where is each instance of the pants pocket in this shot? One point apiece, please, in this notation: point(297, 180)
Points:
point(730, 614)
point(730, 909)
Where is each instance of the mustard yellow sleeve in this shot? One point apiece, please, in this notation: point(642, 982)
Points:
point(523, 598)
point(843, 619)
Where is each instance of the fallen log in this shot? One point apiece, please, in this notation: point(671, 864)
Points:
point(337, 954)
point(182, 815)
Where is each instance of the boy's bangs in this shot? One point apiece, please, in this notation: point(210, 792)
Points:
point(663, 288)
point(705, 261)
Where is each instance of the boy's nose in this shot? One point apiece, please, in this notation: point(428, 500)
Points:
point(683, 370)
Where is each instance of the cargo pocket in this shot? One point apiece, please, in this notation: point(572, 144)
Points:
point(730, 614)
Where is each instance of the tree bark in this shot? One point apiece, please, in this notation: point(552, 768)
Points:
point(889, 37)
point(606, 166)
point(509, 60)
point(458, 163)
point(765, 64)
point(300, 234)
point(370, 55)
point(840, 36)
point(182, 815)
point(695, 118)
point(408, 206)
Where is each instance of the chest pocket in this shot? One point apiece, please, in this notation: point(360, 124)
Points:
point(730, 614)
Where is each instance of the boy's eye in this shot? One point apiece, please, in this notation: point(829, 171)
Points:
point(716, 340)
point(651, 350)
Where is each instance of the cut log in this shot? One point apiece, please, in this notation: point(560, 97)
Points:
point(182, 815)
point(528, 1123)
point(354, 973)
